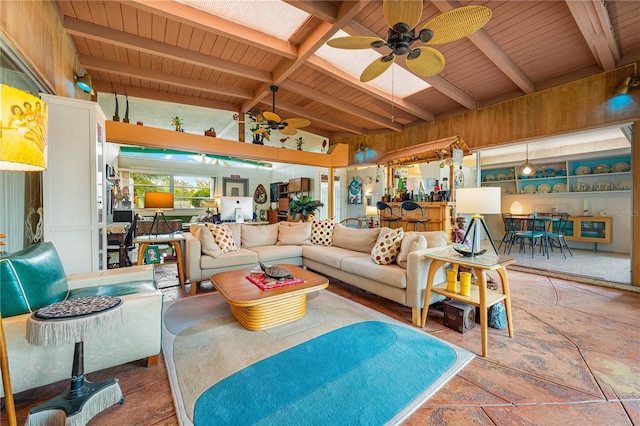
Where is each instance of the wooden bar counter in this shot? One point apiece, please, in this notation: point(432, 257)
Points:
point(440, 216)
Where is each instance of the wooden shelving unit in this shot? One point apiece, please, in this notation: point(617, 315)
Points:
point(286, 192)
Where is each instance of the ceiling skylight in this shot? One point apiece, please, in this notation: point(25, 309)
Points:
point(354, 62)
point(273, 17)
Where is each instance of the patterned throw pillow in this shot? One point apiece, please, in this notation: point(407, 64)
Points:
point(387, 247)
point(224, 238)
point(322, 231)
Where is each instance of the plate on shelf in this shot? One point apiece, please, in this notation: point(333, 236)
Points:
point(559, 187)
point(511, 175)
point(490, 178)
point(624, 184)
point(579, 187)
point(544, 188)
point(501, 176)
point(601, 168)
point(583, 170)
point(529, 189)
point(603, 185)
point(620, 167)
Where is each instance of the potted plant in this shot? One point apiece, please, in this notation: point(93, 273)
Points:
point(304, 206)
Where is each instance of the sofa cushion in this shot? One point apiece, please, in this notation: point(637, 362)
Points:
point(115, 290)
point(364, 267)
point(298, 234)
point(322, 231)
point(236, 232)
point(410, 242)
point(361, 240)
point(259, 235)
point(387, 247)
point(31, 279)
point(238, 257)
point(207, 241)
point(223, 236)
point(276, 253)
point(435, 238)
point(330, 256)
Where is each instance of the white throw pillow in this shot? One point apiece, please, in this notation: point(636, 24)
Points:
point(224, 238)
point(259, 235)
point(207, 241)
point(410, 242)
point(387, 246)
point(298, 234)
point(322, 231)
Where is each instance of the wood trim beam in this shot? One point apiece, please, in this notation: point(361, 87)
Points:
point(106, 35)
point(490, 48)
point(315, 118)
point(321, 65)
point(105, 87)
point(340, 105)
point(91, 63)
point(438, 83)
point(322, 10)
point(592, 18)
point(187, 15)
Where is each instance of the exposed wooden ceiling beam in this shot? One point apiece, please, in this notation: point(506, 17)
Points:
point(102, 34)
point(187, 15)
point(324, 66)
point(438, 83)
point(320, 118)
point(340, 105)
point(105, 87)
point(322, 10)
point(89, 62)
point(592, 18)
point(490, 48)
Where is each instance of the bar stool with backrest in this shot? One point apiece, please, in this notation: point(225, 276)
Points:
point(556, 236)
point(411, 206)
point(382, 206)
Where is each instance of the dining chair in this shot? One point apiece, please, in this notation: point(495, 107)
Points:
point(524, 231)
point(386, 217)
point(508, 234)
point(557, 235)
point(352, 222)
point(412, 206)
point(128, 244)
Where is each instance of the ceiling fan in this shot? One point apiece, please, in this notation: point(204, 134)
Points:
point(402, 16)
point(272, 121)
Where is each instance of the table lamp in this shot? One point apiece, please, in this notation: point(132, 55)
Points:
point(371, 211)
point(160, 201)
point(476, 202)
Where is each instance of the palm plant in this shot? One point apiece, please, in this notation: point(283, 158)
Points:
point(304, 206)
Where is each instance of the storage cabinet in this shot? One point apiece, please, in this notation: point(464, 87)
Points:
point(591, 229)
point(286, 192)
point(74, 185)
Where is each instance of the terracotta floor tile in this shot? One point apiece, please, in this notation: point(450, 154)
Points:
point(633, 410)
point(460, 391)
point(619, 378)
point(593, 413)
point(438, 416)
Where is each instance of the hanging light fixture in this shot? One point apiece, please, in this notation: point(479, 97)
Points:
point(627, 84)
point(527, 169)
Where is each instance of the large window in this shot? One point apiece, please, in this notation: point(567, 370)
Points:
point(188, 191)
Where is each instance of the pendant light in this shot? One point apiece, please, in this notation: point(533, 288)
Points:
point(527, 169)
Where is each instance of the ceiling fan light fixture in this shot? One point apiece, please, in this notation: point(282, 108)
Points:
point(425, 35)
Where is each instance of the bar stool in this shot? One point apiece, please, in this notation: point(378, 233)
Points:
point(411, 206)
point(382, 206)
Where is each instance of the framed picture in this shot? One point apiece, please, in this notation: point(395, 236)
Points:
point(235, 187)
point(263, 215)
point(152, 255)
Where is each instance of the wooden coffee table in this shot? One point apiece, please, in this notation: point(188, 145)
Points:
point(259, 309)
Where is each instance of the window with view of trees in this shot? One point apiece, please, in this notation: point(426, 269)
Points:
point(188, 191)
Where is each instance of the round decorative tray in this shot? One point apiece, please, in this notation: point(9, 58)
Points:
point(529, 189)
point(583, 170)
point(624, 184)
point(544, 188)
point(601, 168)
point(559, 187)
point(579, 187)
point(620, 167)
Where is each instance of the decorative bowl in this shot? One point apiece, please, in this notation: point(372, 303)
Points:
point(466, 251)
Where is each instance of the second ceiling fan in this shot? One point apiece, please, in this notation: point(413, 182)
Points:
point(402, 16)
point(272, 121)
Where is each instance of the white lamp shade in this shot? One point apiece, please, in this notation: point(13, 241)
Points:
point(158, 200)
point(516, 208)
point(371, 211)
point(478, 200)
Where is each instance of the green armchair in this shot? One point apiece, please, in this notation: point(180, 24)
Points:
point(34, 277)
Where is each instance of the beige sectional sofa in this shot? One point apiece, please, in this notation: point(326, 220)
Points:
point(347, 259)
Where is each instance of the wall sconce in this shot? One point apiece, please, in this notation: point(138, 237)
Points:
point(362, 147)
point(85, 83)
point(627, 84)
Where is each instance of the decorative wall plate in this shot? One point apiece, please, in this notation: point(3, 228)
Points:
point(601, 168)
point(579, 187)
point(490, 178)
point(529, 189)
point(603, 185)
point(544, 188)
point(583, 170)
point(260, 196)
point(501, 176)
point(625, 184)
point(559, 187)
point(620, 167)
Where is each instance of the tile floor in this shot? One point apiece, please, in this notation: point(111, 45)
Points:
point(574, 360)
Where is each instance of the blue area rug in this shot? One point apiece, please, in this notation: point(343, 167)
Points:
point(361, 374)
point(342, 364)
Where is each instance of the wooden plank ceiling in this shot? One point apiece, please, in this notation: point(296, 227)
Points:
point(168, 51)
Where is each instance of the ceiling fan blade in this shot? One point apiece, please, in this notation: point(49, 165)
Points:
point(353, 42)
point(298, 123)
point(375, 68)
point(429, 62)
point(457, 23)
point(260, 130)
point(271, 116)
point(289, 130)
point(402, 11)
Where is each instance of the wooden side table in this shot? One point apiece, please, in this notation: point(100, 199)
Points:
point(73, 321)
point(480, 295)
point(175, 240)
